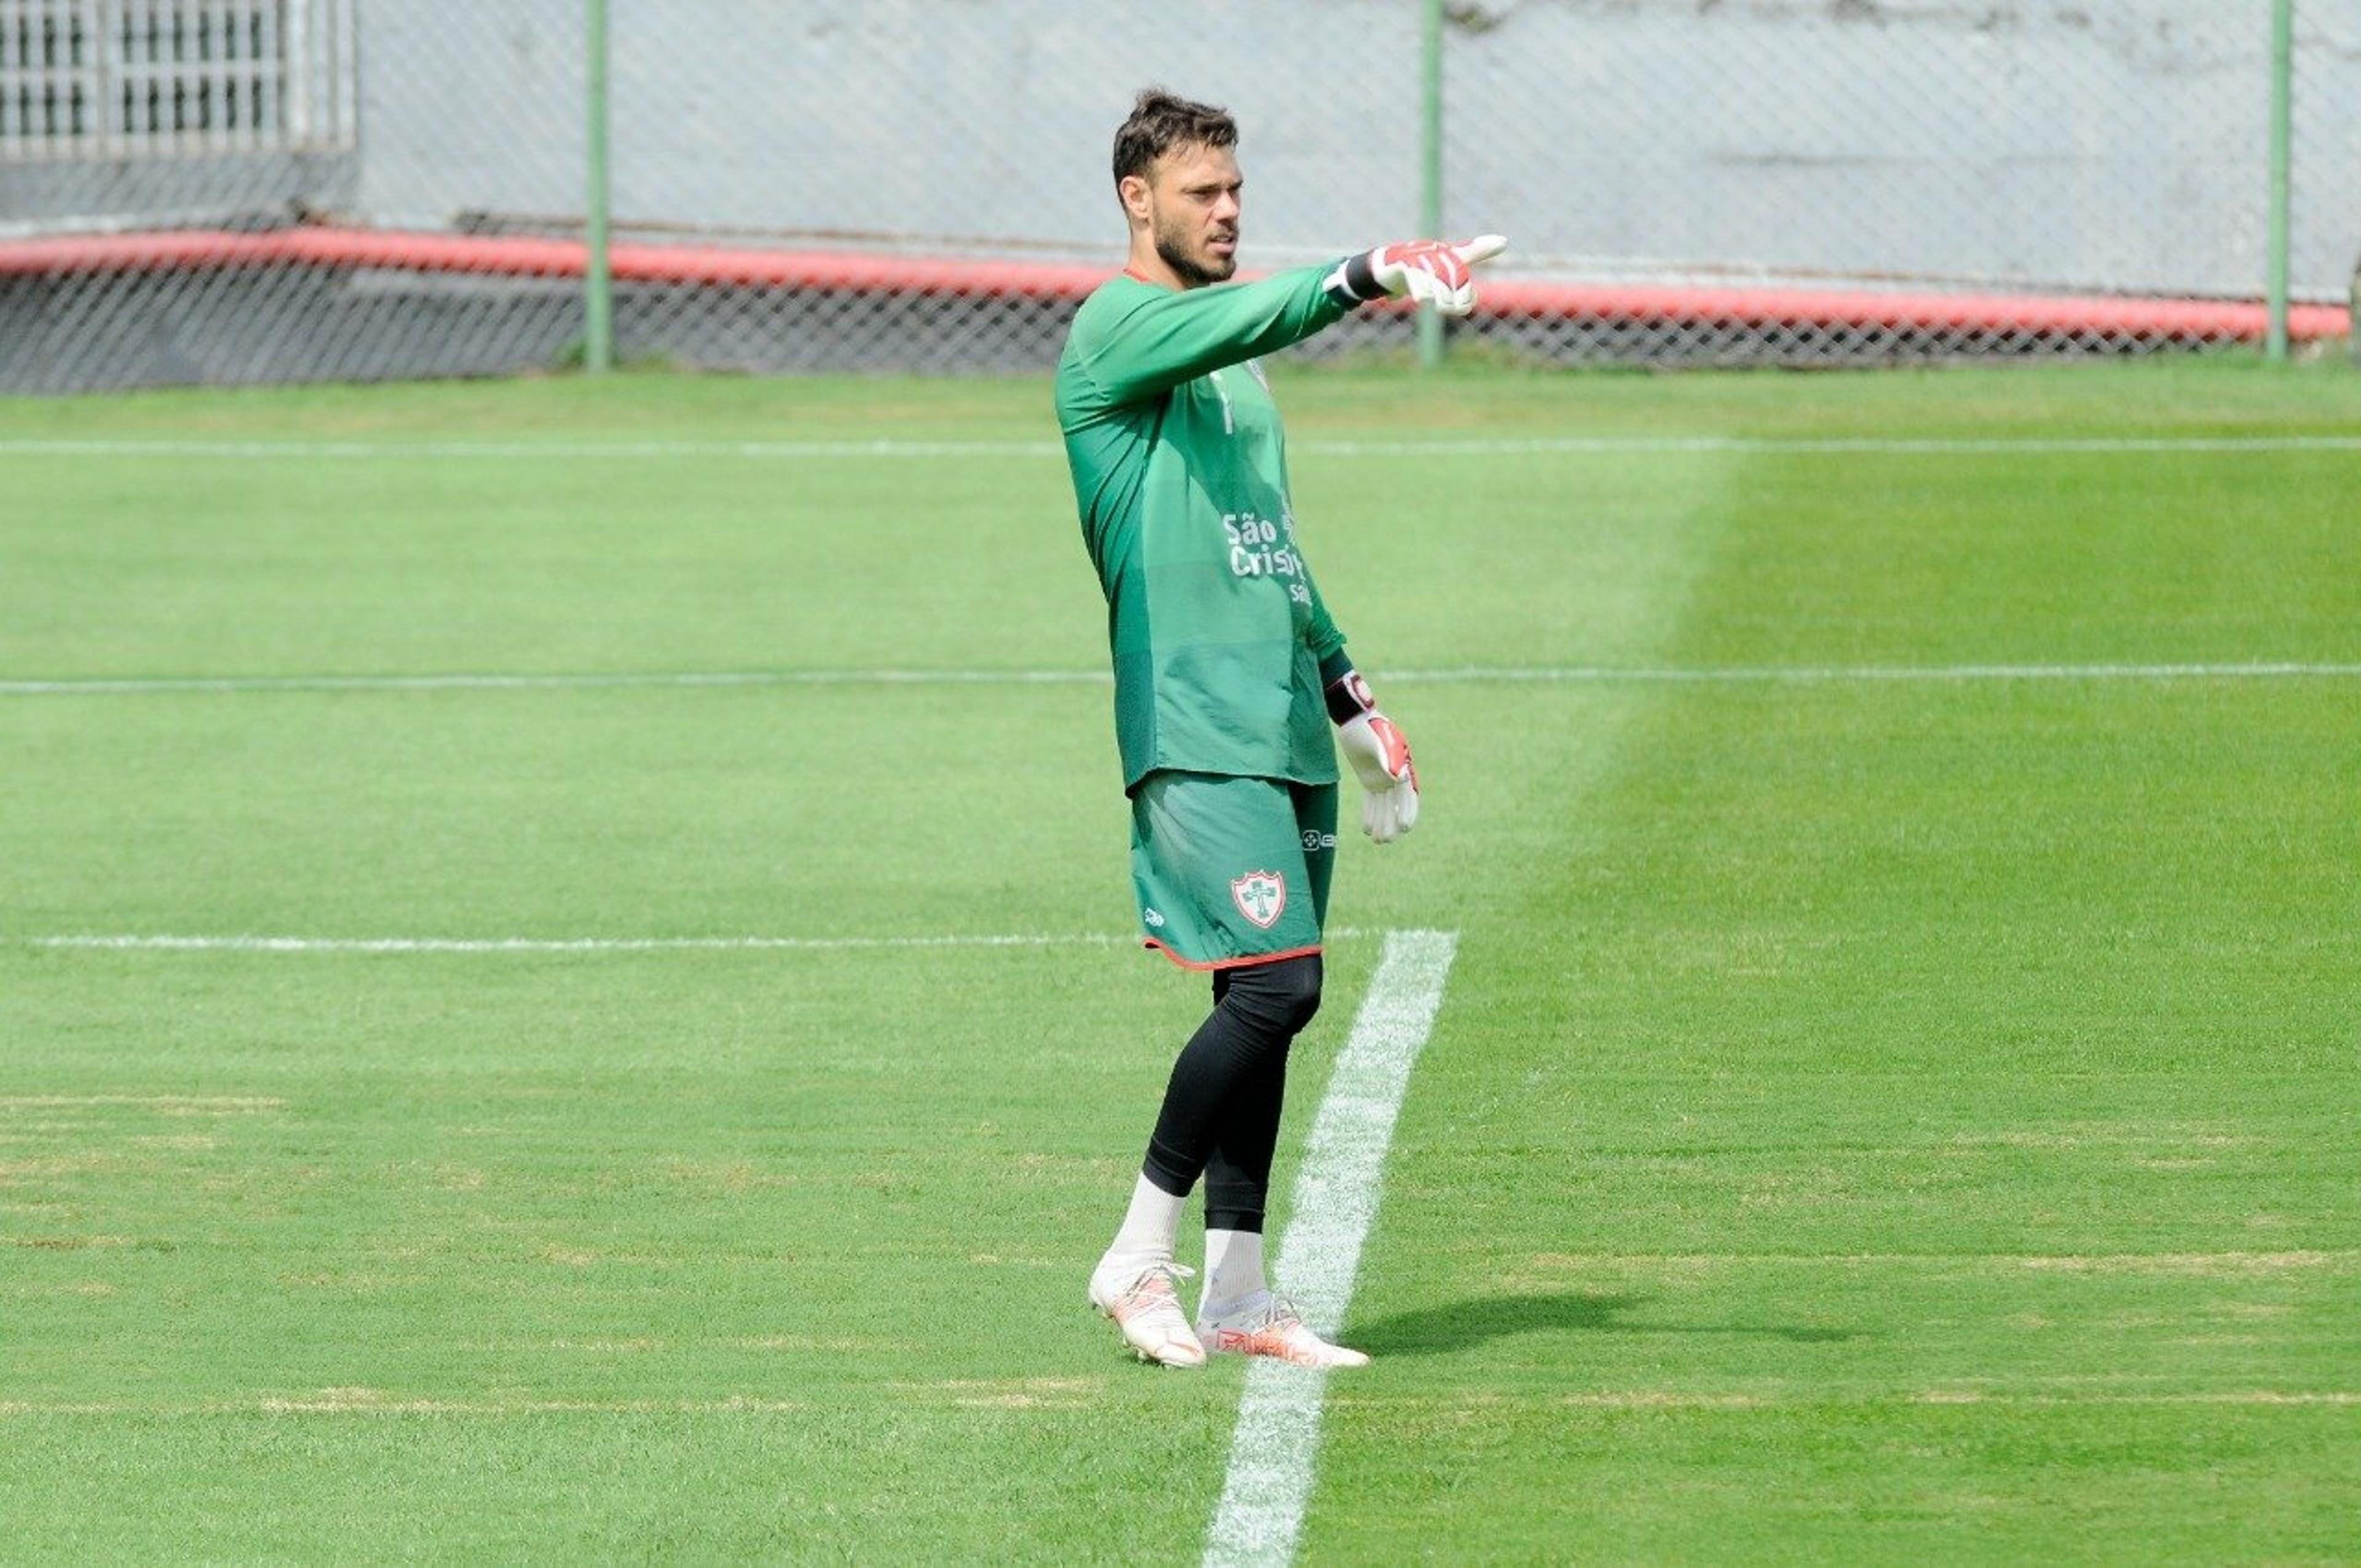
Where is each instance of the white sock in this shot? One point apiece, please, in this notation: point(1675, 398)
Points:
point(1232, 1272)
point(1145, 1236)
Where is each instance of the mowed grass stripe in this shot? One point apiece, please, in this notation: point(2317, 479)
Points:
point(893, 450)
point(1910, 1119)
point(706, 1216)
point(372, 1403)
point(1804, 674)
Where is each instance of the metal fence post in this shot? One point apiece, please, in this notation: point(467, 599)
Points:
point(2282, 160)
point(1430, 171)
point(598, 277)
point(2353, 313)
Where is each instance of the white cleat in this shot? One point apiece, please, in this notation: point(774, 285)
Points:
point(1147, 1310)
point(1268, 1324)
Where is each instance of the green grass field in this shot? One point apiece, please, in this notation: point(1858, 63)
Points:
point(1906, 1111)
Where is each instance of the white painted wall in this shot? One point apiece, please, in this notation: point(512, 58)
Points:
point(2021, 143)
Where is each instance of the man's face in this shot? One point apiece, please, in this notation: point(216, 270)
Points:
point(1192, 203)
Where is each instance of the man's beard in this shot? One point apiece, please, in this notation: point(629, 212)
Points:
point(1192, 272)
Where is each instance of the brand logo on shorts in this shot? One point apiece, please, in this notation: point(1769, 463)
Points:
point(1260, 896)
point(1151, 917)
point(1315, 840)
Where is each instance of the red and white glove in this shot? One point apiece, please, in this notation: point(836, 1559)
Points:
point(1380, 759)
point(1435, 272)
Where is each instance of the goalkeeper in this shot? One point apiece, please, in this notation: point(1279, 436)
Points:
point(1228, 674)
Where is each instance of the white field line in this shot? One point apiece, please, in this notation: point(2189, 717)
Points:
point(1830, 674)
point(1861, 445)
point(1540, 675)
point(556, 944)
point(138, 942)
point(349, 1405)
point(2062, 1262)
point(176, 1105)
point(102, 686)
point(1277, 1439)
point(626, 450)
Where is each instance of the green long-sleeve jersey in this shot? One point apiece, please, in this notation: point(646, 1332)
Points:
point(1220, 639)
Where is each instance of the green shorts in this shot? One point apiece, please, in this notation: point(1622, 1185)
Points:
point(1232, 870)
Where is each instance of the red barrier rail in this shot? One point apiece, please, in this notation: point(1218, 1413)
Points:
point(852, 272)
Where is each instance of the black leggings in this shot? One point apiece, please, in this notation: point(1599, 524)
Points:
point(1220, 1118)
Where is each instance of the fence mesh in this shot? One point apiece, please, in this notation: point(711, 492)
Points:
point(240, 190)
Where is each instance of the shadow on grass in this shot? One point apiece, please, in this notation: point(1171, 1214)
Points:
point(1439, 1330)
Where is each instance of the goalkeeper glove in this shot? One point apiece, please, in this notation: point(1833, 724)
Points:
point(1380, 758)
point(1426, 272)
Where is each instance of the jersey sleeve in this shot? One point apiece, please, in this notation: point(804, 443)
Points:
point(1172, 336)
point(1320, 634)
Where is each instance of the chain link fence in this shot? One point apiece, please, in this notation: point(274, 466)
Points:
point(244, 190)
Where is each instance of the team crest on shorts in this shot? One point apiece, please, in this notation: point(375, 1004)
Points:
point(1261, 897)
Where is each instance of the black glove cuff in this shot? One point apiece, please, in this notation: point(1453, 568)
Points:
point(1354, 281)
point(1349, 697)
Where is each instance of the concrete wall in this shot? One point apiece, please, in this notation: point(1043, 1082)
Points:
point(205, 189)
point(2040, 142)
point(2028, 143)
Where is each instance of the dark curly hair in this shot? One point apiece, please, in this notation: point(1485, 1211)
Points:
point(1161, 121)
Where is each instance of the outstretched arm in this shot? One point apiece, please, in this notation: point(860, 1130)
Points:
point(1169, 337)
